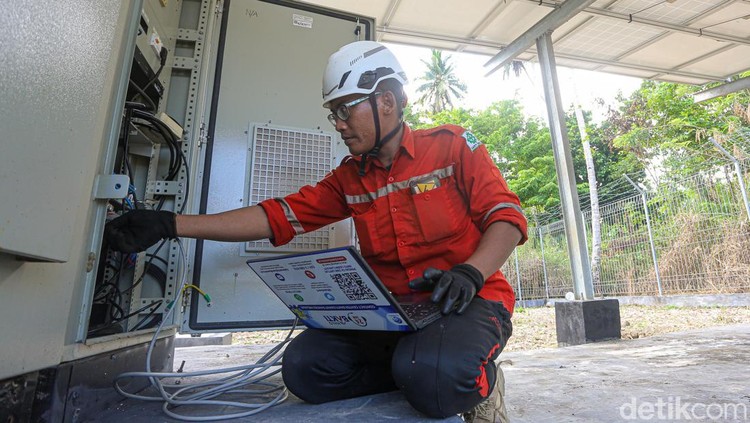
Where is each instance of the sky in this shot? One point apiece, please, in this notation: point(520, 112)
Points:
point(483, 91)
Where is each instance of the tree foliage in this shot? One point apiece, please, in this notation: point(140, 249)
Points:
point(660, 121)
point(611, 161)
point(522, 149)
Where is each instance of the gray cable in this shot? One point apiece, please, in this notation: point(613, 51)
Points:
point(251, 375)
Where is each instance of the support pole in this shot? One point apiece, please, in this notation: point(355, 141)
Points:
point(577, 248)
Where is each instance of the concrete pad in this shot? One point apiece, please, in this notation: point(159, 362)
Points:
point(390, 406)
point(579, 322)
point(622, 380)
point(609, 381)
point(187, 340)
point(686, 300)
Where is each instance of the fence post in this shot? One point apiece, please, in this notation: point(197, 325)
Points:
point(650, 233)
point(544, 262)
point(518, 275)
point(738, 170)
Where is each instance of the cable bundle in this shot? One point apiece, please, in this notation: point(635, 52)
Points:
point(251, 379)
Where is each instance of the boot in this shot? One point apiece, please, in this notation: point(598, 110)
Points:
point(492, 409)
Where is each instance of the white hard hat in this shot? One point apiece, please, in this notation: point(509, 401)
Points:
point(357, 68)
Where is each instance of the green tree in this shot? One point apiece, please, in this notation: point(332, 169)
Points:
point(440, 85)
point(522, 149)
point(610, 161)
point(661, 120)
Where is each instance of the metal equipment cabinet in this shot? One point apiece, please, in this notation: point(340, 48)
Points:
point(242, 82)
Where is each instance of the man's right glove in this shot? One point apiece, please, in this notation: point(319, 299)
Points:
point(455, 287)
point(137, 230)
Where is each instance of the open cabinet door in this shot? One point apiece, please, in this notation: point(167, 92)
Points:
point(267, 136)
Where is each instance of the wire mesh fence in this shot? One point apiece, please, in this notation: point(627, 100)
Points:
point(670, 235)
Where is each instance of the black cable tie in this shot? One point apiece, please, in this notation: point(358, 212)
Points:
point(700, 32)
point(135, 105)
point(631, 18)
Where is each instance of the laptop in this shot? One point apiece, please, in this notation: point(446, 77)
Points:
point(336, 289)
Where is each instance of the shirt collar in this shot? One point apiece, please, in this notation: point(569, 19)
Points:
point(407, 141)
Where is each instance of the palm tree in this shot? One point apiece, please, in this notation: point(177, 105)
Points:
point(441, 84)
point(516, 67)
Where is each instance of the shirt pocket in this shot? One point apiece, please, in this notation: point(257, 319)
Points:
point(436, 212)
point(365, 223)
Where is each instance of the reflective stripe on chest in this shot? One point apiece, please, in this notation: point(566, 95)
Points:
point(418, 184)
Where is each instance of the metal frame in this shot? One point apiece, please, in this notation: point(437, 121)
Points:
point(392, 8)
point(381, 30)
point(576, 239)
point(722, 90)
point(589, 13)
point(494, 13)
point(190, 320)
point(548, 23)
point(541, 34)
point(665, 33)
point(656, 24)
point(192, 137)
point(114, 122)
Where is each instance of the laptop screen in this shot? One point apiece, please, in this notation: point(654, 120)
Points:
point(331, 289)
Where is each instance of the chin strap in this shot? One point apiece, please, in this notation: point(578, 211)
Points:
point(378, 141)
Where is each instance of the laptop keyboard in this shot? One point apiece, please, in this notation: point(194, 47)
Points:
point(422, 313)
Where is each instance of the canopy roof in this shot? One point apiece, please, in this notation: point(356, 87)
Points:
point(686, 41)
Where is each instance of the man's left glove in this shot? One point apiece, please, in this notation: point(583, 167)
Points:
point(137, 230)
point(455, 287)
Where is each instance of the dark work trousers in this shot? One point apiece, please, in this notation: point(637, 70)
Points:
point(444, 369)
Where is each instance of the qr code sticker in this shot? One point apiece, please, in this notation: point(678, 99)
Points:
point(353, 287)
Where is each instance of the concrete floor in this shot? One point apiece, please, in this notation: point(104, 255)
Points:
point(694, 375)
point(635, 380)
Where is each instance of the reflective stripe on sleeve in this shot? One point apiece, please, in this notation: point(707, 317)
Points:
point(290, 216)
point(501, 206)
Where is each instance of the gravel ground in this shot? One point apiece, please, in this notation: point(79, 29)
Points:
point(535, 327)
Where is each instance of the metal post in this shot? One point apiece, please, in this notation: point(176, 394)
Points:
point(518, 276)
point(650, 233)
point(738, 169)
point(544, 262)
point(577, 248)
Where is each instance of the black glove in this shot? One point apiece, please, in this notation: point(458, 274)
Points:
point(137, 230)
point(461, 283)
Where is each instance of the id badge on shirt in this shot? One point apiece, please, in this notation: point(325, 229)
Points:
point(424, 184)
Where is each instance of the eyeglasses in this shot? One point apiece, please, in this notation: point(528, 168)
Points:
point(343, 112)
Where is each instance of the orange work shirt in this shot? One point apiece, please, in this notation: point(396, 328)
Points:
point(429, 209)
